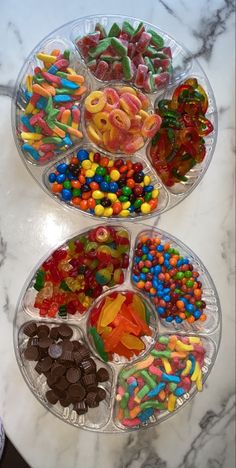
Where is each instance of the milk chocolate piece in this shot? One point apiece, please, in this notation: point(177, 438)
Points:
point(91, 400)
point(101, 394)
point(73, 375)
point(51, 397)
point(65, 401)
point(66, 345)
point(65, 332)
point(30, 329)
point(76, 345)
point(80, 407)
point(58, 370)
point(62, 384)
point(89, 379)
point(43, 331)
point(102, 375)
point(76, 392)
point(88, 366)
point(54, 333)
point(38, 368)
point(45, 342)
point(31, 353)
point(52, 380)
point(46, 364)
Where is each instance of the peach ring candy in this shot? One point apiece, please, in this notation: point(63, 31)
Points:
point(95, 102)
point(151, 125)
point(117, 119)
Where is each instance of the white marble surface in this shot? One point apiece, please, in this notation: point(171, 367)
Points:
point(202, 435)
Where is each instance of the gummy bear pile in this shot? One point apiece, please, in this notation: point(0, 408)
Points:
point(125, 91)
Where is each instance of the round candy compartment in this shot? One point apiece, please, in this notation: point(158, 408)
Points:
point(104, 418)
point(184, 66)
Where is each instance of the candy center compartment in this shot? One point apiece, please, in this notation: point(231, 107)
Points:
point(122, 326)
point(58, 367)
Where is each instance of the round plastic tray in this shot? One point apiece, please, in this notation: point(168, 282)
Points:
point(184, 67)
point(103, 418)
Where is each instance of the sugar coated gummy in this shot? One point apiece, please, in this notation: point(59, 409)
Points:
point(151, 386)
point(102, 186)
point(179, 143)
point(136, 55)
point(117, 119)
point(169, 279)
point(51, 119)
point(75, 274)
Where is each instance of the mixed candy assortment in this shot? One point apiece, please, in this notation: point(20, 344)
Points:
point(153, 385)
point(71, 373)
point(51, 120)
point(75, 274)
point(117, 119)
point(54, 105)
point(169, 279)
point(126, 53)
point(87, 280)
point(179, 144)
point(118, 324)
point(104, 187)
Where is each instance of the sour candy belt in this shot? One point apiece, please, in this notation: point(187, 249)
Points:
point(125, 53)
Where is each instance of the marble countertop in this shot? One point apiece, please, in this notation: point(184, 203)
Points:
point(201, 435)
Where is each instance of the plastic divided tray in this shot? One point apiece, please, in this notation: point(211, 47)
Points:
point(184, 67)
point(104, 417)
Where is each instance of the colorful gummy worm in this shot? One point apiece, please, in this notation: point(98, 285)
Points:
point(169, 280)
point(97, 184)
point(50, 122)
point(118, 324)
point(125, 53)
point(75, 274)
point(179, 144)
point(117, 119)
point(153, 385)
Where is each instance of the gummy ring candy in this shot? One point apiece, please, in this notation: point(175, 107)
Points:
point(94, 134)
point(112, 99)
point(130, 103)
point(120, 119)
point(95, 102)
point(101, 120)
point(151, 125)
point(102, 234)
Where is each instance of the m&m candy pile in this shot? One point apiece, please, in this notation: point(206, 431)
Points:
point(104, 187)
point(117, 119)
point(169, 279)
point(118, 324)
point(127, 53)
point(74, 275)
point(153, 385)
point(51, 120)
